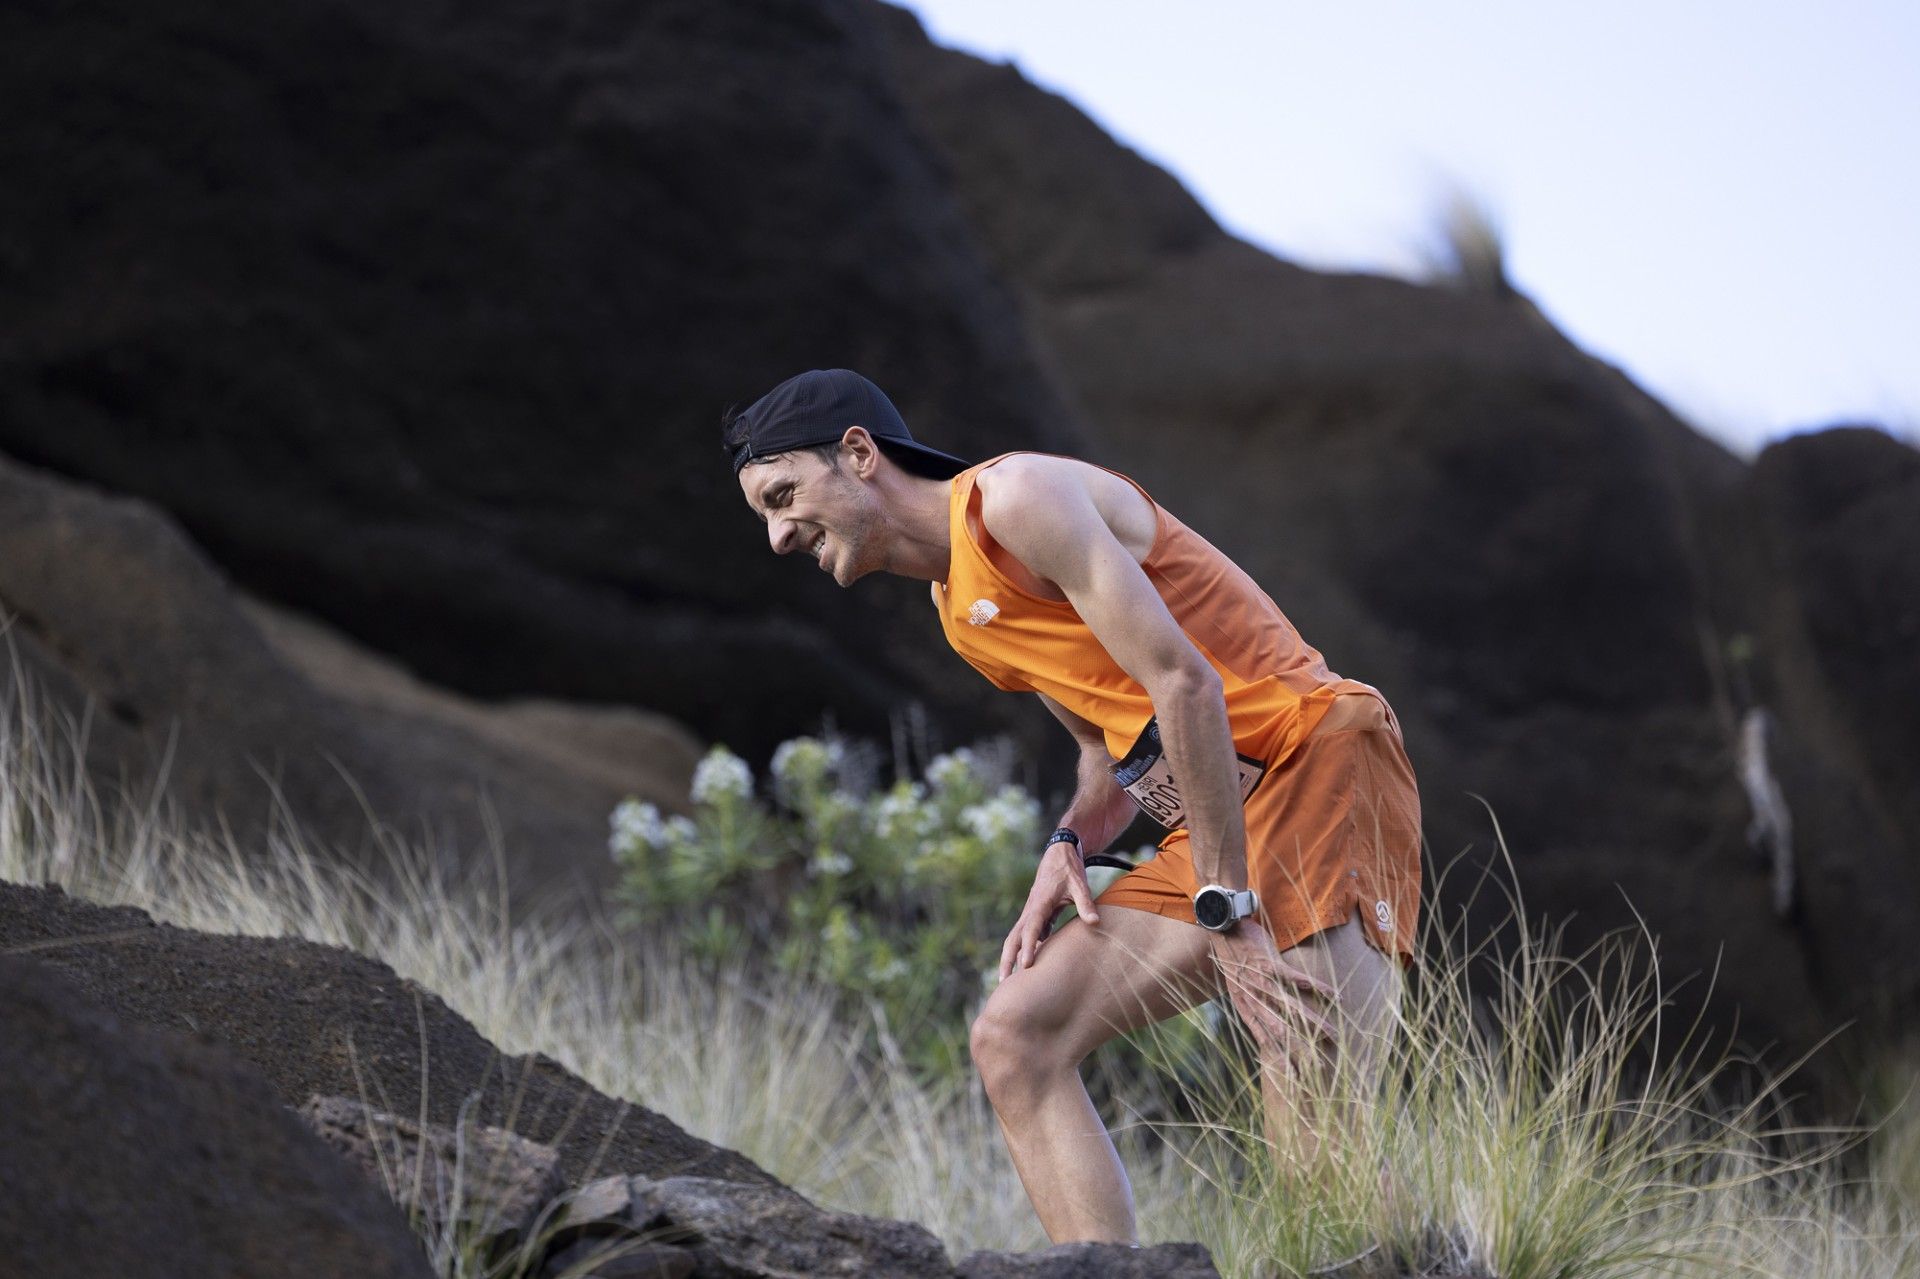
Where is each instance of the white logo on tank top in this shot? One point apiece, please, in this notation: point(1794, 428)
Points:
point(982, 612)
point(1383, 916)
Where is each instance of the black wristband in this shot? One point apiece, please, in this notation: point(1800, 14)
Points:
point(1064, 835)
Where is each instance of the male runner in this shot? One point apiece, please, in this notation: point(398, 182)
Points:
point(1190, 695)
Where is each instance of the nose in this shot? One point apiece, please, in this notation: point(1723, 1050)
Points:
point(781, 534)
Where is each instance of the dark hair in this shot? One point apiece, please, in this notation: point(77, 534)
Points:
point(733, 436)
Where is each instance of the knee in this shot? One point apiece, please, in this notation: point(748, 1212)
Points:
point(1010, 1050)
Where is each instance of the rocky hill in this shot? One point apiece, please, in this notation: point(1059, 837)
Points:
point(419, 321)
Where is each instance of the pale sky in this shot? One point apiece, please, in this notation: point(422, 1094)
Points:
point(1722, 198)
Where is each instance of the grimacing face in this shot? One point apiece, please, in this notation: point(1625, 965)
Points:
point(811, 508)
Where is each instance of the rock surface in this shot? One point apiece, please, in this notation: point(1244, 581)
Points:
point(135, 1151)
point(738, 1231)
point(318, 1019)
point(488, 1185)
point(1093, 1261)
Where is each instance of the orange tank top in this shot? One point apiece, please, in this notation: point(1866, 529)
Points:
point(1277, 685)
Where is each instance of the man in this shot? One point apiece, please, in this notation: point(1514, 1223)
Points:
point(1292, 871)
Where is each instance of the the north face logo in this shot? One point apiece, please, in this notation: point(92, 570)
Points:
point(982, 612)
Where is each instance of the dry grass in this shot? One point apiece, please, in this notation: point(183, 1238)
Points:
point(1524, 1135)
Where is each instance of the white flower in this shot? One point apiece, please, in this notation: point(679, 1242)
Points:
point(952, 769)
point(681, 830)
point(721, 775)
point(840, 928)
point(831, 813)
point(636, 826)
point(806, 761)
point(898, 816)
point(829, 864)
point(1011, 814)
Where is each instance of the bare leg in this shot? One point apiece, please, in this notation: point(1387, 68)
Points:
point(1308, 1099)
point(1086, 986)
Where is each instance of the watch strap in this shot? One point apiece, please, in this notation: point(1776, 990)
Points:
point(1067, 835)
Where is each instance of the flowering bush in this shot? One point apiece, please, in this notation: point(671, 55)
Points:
point(900, 896)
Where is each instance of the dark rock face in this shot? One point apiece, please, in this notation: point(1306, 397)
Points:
point(110, 606)
point(1844, 505)
point(421, 320)
point(136, 1151)
point(1539, 564)
point(308, 1016)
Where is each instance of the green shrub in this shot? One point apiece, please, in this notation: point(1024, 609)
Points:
point(899, 897)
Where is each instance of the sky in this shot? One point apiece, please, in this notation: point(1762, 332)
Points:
point(1721, 198)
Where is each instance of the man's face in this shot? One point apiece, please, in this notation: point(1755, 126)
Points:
point(811, 508)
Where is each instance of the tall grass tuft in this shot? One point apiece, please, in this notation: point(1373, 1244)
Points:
point(1534, 1116)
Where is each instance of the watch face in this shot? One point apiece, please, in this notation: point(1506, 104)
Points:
point(1213, 909)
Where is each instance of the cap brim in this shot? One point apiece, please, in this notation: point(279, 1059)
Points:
point(917, 458)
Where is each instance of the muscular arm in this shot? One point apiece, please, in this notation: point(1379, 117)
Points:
point(1043, 515)
point(1100, 810)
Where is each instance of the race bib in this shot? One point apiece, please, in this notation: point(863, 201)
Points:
point(1145, 775)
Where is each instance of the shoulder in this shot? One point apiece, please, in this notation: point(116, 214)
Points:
point(1023, 489)
point(1019, 476)
point(1030, 497)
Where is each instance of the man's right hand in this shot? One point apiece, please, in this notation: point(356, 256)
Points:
point(1060, 881)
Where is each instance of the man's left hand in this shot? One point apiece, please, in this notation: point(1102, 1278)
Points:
point(1279, 1001)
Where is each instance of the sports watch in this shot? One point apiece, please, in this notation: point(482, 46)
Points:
point(1219, 909)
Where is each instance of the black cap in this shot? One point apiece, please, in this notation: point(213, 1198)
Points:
point(817, 407)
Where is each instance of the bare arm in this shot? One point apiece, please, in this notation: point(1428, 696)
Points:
point(1044, 516)
point(1100, 810)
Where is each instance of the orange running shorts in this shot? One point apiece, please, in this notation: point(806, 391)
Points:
point(1333, 830)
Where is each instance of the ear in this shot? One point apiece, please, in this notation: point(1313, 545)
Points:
point(862, 452)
